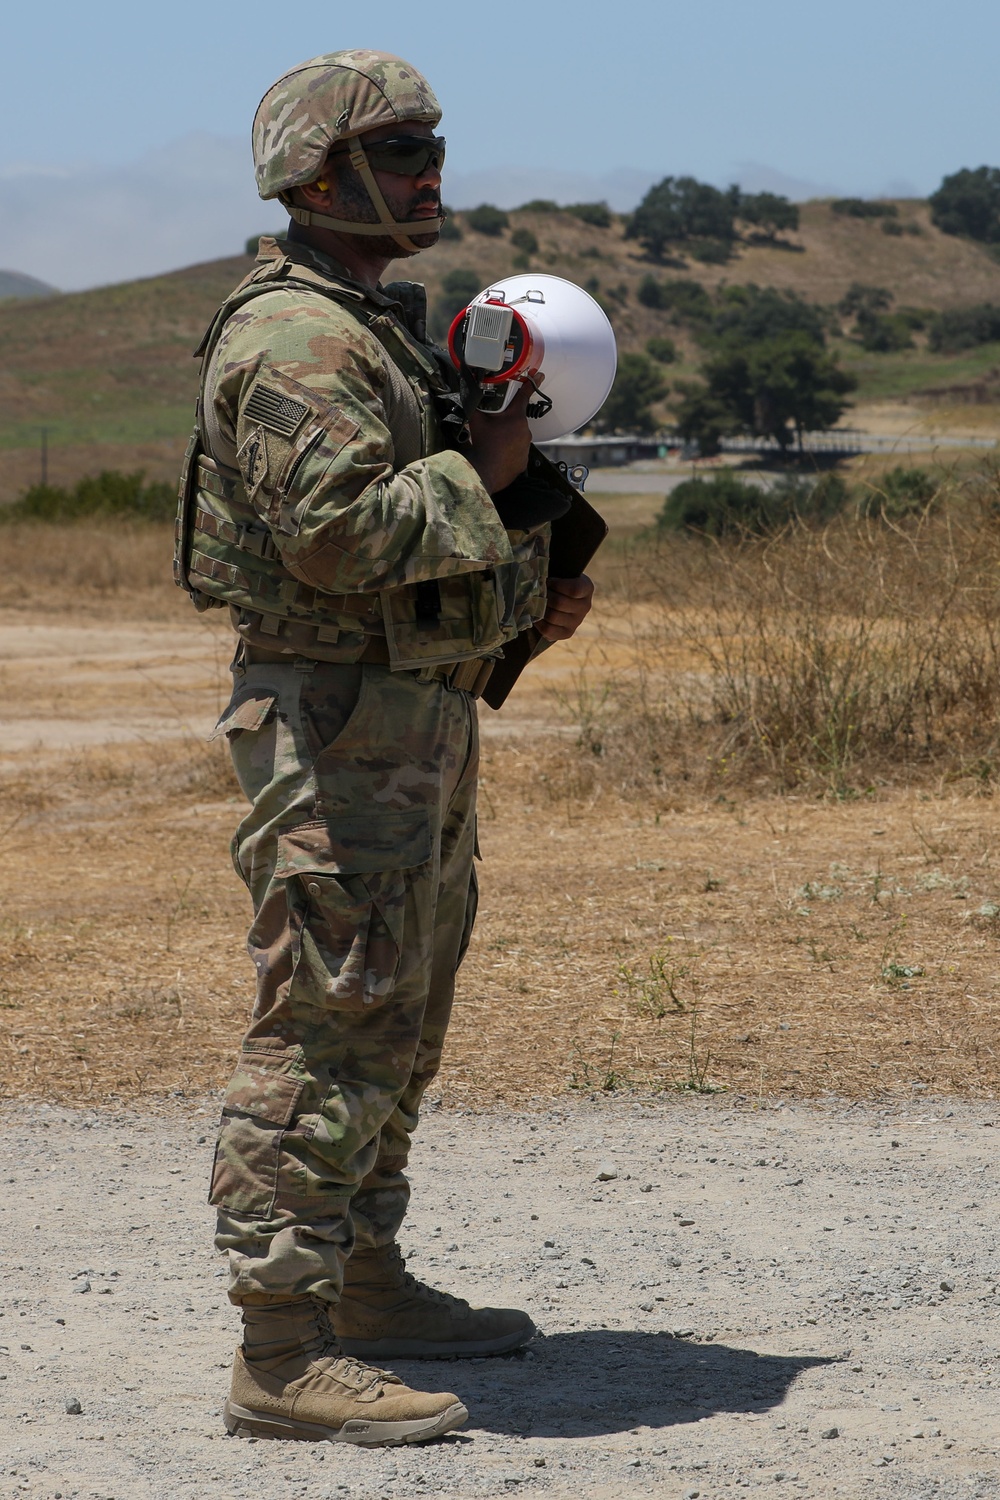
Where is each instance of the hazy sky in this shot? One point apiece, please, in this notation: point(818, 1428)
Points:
point(858, 97)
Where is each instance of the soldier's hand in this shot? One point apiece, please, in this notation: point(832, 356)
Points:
point(568, 606)
point(500, 442)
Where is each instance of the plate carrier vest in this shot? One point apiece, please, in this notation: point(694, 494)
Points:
point(225, 553)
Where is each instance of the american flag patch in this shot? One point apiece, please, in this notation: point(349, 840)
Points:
point(274, 411)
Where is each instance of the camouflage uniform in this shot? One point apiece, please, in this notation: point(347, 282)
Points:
point(368, 575)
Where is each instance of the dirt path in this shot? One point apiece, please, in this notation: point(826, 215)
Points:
point(718, 1290)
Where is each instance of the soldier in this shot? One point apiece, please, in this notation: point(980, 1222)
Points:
point(372, 569)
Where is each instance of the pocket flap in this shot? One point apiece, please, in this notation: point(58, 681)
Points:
point(358, 844)
point(249, 709)
point(267, 1083)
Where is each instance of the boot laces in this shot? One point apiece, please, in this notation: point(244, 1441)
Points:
point(351, 1372)
point(420, 1288)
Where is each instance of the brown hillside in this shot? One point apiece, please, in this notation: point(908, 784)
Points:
point(109, 372)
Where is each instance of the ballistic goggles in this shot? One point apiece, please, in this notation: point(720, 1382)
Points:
point(407, 155)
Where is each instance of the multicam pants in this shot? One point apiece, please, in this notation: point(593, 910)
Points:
point(358, 853)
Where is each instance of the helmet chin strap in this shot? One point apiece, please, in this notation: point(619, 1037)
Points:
point(386, 225)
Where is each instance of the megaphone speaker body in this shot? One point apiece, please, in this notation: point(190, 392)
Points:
point(545, 330)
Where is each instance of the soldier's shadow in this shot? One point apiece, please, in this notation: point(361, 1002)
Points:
point(604, 1380)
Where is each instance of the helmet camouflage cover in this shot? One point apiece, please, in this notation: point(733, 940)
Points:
point(329, 99)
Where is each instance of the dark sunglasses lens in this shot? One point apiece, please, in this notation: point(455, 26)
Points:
point(408, 155)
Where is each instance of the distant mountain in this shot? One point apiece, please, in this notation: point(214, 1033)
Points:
point(16, 284)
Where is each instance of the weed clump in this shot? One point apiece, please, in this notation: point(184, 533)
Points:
point(834, 657)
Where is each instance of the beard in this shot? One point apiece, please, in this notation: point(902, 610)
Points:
point(354, 203)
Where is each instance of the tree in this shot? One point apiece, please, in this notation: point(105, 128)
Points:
point(769, 212)
point(778, 387)
point(748, 314)
point(680, 209)
point(522, 239)
point(968, 202)
point(487, 219)
point(638, 384)
point(596, 214)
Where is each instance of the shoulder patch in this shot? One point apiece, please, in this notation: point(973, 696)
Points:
point(274, 410)
point(252, 457)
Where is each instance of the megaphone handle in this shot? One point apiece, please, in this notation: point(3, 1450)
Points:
point(509, 390)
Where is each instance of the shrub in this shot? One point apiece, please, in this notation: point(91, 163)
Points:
point(877, 331)
point(525, 241)
point(898, 493)
point(863, 208)
point(538, 206)
point(860, 298)
point(963, 328)
point(885, 333)
point(109, 493)
point(638, 384)
point(968, 202)
point(450, 229)
point(487, 219)
point(596, 214)
point(664, 351)
point(726, 505)
point(711, 252)
point(687, 300)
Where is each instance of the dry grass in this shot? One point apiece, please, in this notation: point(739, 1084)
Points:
point(641, 931)
point(839, 659)
point(115, 568)
point(771, 946)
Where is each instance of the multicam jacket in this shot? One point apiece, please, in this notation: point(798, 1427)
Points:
point(318, 499)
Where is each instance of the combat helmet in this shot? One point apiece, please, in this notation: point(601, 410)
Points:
point(338, 97)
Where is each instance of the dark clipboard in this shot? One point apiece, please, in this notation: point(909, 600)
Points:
point(576, 536)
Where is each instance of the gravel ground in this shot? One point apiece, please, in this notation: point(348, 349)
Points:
point(797, 1301)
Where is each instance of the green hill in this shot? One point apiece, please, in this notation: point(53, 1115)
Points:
point(109, 375)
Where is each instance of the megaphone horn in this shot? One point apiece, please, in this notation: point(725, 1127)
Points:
point(538, 328)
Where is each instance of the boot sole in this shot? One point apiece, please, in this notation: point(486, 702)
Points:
point(241, 1421)
point(374, 1350)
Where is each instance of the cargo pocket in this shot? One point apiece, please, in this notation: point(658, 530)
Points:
point(251, 708)
point(260, 1104)
point(347, 883)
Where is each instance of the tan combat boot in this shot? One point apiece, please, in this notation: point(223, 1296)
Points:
point(385, 1313)
point(292, 1380)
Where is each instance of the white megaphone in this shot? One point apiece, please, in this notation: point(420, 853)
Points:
point(547, 332)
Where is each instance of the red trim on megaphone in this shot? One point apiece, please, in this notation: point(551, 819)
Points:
point(532, 344)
